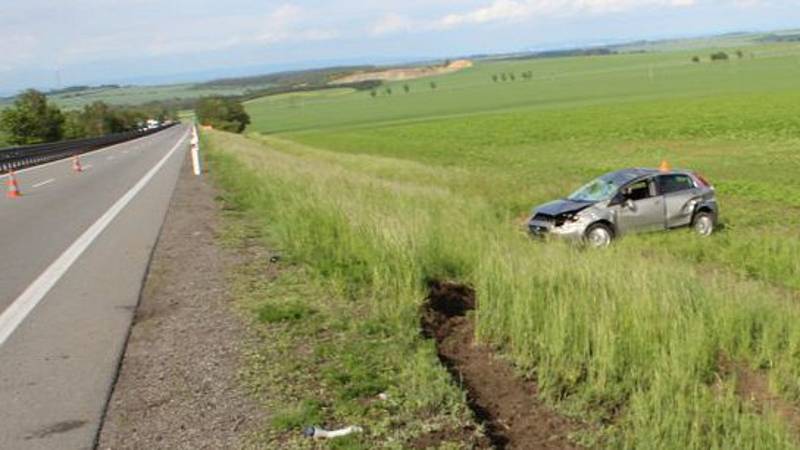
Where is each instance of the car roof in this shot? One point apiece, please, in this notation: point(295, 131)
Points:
point(625, 176)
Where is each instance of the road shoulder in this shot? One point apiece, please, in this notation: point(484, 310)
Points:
point(178, 384)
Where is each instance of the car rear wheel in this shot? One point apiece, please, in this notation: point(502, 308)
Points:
point(703, 224)
point(599, 235)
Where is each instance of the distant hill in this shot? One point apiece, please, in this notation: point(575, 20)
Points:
point(780, 37)
point(590, 51)
point(291, 78)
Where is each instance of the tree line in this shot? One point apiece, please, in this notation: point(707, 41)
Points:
point(511, 76)
point(406, 88)
point(34, 120)
point(720, 56)
point(222, 113)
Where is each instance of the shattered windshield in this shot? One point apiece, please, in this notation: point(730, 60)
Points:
point(599, 190)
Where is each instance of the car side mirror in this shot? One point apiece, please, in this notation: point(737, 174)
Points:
point(628, 203)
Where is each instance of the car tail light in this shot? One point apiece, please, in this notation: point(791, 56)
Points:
point(700, 179)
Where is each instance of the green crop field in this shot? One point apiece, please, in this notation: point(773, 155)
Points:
point(652, 343)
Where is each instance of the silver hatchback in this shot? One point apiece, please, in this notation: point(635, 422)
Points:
point(627, 201)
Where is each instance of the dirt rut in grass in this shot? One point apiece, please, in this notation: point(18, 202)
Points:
point(506, 404)
point(752, 386)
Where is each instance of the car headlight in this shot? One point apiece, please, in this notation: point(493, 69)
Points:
point(566, 218)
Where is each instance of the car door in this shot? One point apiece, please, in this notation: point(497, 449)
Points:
point(641, 208)
point(680, 198)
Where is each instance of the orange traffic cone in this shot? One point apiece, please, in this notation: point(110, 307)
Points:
point(664, 167)
point(13, 187)
point(76, 164)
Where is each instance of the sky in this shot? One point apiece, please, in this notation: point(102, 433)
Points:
point(52, 43)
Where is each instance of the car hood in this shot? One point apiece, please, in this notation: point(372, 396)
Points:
point(558, 207)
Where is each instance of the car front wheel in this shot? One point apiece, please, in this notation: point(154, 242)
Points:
point(599, 235)
point(703, 224)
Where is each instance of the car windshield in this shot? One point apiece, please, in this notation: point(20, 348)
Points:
point(598, 190)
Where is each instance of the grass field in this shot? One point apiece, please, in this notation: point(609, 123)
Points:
point(137, 95)
point(654, 342)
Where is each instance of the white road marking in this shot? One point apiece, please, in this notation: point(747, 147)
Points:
point(16, 313)
point(45, 182)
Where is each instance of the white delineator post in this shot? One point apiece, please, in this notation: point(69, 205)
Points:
point(196, 152)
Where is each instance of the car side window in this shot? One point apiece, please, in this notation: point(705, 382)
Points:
point(638, 190)
point(668, 184)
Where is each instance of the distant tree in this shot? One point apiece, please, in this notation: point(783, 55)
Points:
point(695, 59)
point(512, 77)
point(31, 120)
point(373, 93)
point(719, 56)
point(447, 62)
point(407, 88)
point(100, 119)
point(495, 78)
point(388, 91)
point(222, 113)
point(739, 54)
point(132, 118)
point(503, 76)
point(433, 85)
point(73, 127)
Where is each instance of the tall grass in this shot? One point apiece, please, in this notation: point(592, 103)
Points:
point(628, 337)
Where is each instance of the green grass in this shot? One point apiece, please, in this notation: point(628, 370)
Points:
point(326, 369)
point(376, 196)
point(283, 312)
point(298, 416)
point(558, 83)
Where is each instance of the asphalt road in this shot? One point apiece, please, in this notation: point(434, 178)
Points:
point(74, 250)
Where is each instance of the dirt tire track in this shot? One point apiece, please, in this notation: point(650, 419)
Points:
point(507, 405)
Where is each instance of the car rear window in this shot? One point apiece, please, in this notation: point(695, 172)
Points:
point(674, 183)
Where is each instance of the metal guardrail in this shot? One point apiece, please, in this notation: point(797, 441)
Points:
point(16, 158)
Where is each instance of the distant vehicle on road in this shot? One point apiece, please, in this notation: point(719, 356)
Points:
point(627, 201)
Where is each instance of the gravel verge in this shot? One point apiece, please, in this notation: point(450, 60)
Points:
point(178, 385)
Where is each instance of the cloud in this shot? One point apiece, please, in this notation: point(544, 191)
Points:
point(499, 10)
point(286, 24)
point(516, 10)
point(392, 23)
point(519, 10)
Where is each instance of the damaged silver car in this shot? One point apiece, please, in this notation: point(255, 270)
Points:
point(628, 201)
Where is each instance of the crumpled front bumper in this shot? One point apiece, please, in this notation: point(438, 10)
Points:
point(569, 230)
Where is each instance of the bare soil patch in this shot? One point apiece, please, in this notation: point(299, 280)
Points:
point(506, 404)
point(178, 384)
point(408, 73)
